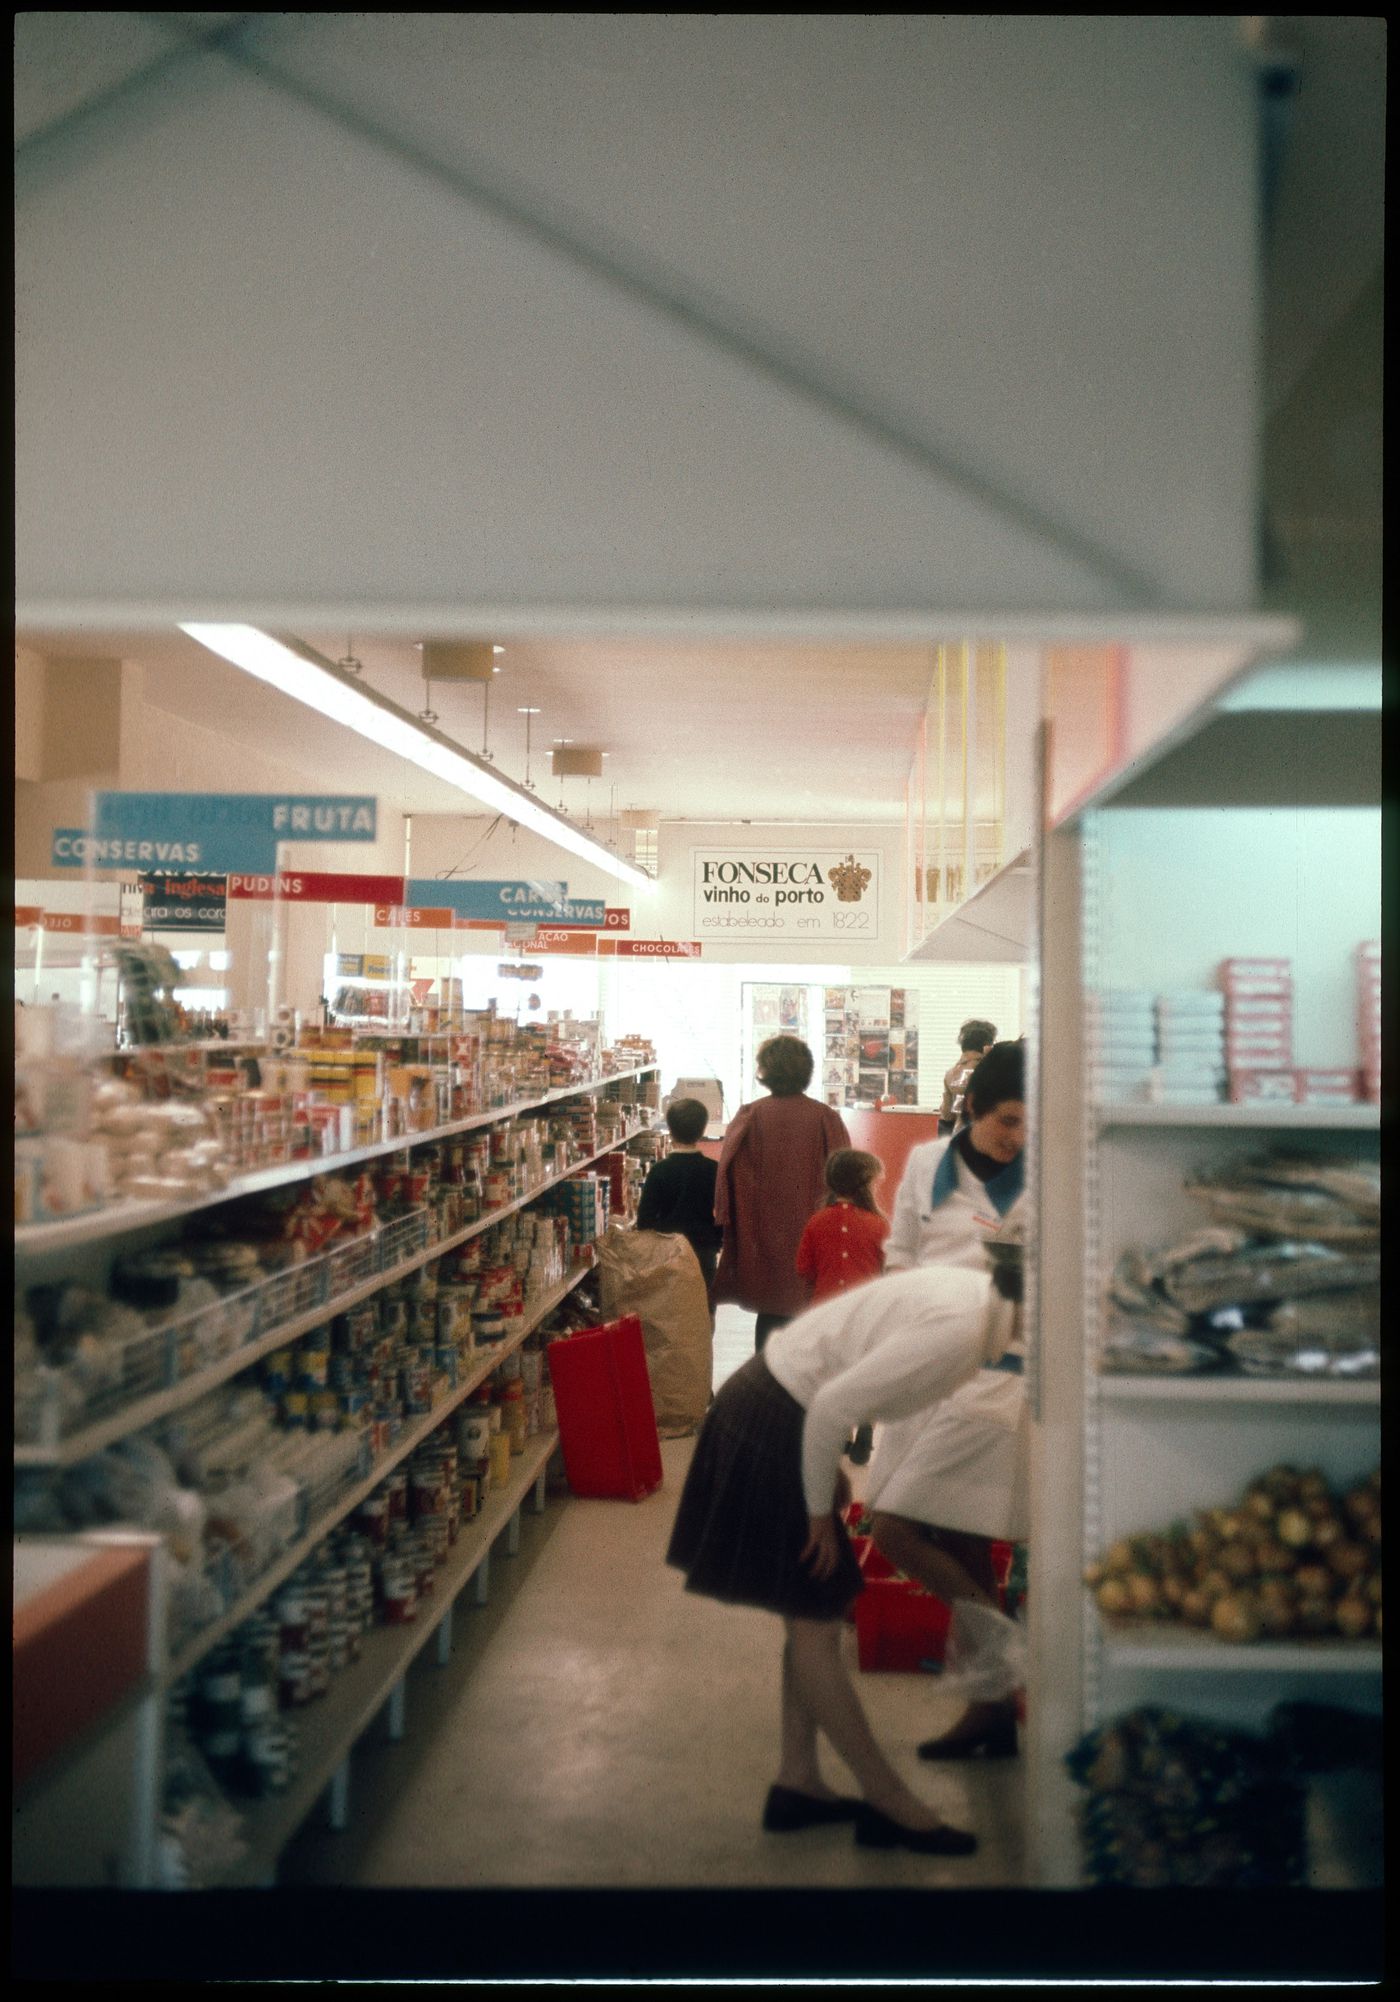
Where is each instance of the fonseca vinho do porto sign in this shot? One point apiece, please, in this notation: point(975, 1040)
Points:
point(771, 895)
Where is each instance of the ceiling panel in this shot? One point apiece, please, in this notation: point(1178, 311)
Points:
point(693, 729)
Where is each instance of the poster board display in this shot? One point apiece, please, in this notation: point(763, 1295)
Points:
point(870, 1046)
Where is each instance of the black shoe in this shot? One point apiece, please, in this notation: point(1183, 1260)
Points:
point(858, 1451)
point(997, 1741)
point(787, 1810)
point(880, 1831)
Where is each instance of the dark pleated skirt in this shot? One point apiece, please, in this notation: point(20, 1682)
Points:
point(742, 1518)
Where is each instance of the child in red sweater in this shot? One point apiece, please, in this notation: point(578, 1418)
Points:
point(843, 1244)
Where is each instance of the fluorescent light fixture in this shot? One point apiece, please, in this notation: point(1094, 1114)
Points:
point(296, 669)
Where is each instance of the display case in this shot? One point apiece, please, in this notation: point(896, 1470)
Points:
point(1256, 835)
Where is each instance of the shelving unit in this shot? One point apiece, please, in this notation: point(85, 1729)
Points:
point(328, 1731)
point(1174, 1648)
point(145, 1411)
point(1149, 885)
point(350, 1498)
point(1246, 1118)
point(1238, 1390)
point(121, 1219)
point(335, 1724)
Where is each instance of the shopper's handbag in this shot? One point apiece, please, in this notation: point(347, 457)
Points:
point(656, 1276)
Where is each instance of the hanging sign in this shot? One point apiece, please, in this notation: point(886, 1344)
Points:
point(307, 887)
point(220, 830)
point(649, 948)
point(79, 921)
point(71, 848)
point(585, 942)
point(769, 895)
point(515, 902)
point(395, 916)
point(615, 919)
point(27, 914)
point(184, 903)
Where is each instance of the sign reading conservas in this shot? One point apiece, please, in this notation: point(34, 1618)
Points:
point(764, 895)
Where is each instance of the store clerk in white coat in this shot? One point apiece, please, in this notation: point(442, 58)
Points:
point(947, 1484)
point(954, 1192)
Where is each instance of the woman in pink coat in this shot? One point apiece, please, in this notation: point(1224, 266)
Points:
point(771, 1180)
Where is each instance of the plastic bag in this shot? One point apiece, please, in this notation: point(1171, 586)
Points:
point(985, 1658)
point(656, 1275)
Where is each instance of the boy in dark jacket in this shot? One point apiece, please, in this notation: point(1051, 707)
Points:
point(679, 1193)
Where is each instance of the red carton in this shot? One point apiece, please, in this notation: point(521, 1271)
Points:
point(1277, 968)
point(1325, 1087)
point(1261, 1087)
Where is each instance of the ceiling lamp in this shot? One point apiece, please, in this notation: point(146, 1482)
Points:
point(580, 761)
point(458, 660)
point(295, 669)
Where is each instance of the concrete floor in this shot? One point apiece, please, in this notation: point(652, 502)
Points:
point(598, 1726)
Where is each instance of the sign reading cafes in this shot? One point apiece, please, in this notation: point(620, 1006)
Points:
point(768, 895)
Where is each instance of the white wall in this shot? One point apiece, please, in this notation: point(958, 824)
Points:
point(270, 366)
point(1181, 890)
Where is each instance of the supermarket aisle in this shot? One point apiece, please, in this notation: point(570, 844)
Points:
point(600, 1727)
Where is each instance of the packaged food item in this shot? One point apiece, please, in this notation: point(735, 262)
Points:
point(1261, 1087)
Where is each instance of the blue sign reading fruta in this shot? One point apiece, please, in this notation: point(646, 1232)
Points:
point(239, 832)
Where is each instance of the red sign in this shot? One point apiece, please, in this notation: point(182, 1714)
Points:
point(650, 948)
point(301, 886)
point(413, 914)
point(616, 920)
point(478, 924)
point(77, 921)
point(27, 914)
point(551, 939)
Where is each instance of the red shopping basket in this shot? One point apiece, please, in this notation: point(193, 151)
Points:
point(899, 1626)
point(607, 1424)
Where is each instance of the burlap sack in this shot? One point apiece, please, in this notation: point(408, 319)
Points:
point(656, 1275)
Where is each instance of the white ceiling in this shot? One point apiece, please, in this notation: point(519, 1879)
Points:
point(694, 729)
point(697, 728)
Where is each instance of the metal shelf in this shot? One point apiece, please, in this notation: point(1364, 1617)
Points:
point(327, 1731)
point(132, 1418)
point(1237, 1390)
point(1316, 1118)
point(118, 1219)
point(248, 1602)
point(1139, 1644)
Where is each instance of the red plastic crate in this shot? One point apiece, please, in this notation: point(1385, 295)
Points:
point(900, 1627)
point(607, 1422)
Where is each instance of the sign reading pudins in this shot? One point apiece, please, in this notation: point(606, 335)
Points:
point(771, 894)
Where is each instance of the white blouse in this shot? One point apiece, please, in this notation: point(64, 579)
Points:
point(885, 1350)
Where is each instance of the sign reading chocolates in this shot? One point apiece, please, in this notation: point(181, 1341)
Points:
point(649, 948)
point(769, 895)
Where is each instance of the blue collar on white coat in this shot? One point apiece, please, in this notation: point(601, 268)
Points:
point(1002, 1189)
